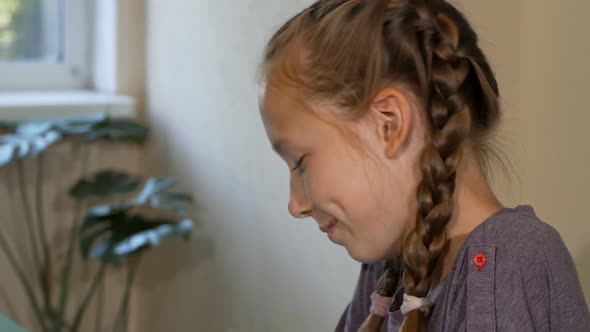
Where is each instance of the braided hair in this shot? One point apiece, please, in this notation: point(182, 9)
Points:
point(347, 50)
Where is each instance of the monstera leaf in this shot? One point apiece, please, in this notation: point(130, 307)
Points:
point(118, 129)
point(105, 183)
point(156, 194)
point(27, 141)
point(78, 125)
point(111, 232)
point(29, 138)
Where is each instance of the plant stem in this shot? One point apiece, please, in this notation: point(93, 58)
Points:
point(24, 281)
point(39, 266)
point(28, 213)
point(46, 272)
point(123, 315)
point(99, 306)
point(72, 242)
point(84, 305)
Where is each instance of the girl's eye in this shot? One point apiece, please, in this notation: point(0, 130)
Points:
point(298, 165)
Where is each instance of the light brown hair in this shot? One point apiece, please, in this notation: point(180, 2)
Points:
point(346, 51)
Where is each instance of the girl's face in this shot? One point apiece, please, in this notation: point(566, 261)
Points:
point(362, 194)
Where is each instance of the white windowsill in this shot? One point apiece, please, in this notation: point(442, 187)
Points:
point(54, 104)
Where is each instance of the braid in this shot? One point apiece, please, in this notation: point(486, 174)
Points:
point(444, 72)
point(450, 119)
point(385, 287)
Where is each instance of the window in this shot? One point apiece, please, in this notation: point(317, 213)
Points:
point(44, 44)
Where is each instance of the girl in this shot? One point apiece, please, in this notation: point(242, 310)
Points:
point(383, 111)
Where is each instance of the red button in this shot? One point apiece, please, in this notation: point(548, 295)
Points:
point(480, 260)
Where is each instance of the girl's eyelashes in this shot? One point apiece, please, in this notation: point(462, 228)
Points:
point(298, 165)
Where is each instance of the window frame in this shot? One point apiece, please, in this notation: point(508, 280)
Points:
point(74, 71)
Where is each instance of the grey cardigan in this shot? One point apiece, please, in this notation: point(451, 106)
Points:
point(512, 273)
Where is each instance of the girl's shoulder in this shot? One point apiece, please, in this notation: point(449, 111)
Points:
point(519, 228)
point(519, 265)
point(518, 244)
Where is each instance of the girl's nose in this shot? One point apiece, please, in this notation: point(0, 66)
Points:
point(300, 206)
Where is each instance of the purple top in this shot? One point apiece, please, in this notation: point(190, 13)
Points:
point(528, 282)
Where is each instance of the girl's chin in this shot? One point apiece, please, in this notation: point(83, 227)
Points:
point(364, 256)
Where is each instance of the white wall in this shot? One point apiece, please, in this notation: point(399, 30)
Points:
point(251, 267)
point(254, 268)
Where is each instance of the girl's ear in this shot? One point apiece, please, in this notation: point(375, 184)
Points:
point(393, 111)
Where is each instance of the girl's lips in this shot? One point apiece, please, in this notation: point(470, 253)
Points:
point(326, 228)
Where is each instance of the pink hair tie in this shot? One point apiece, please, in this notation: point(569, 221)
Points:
point(412, 303)
point(379, 304)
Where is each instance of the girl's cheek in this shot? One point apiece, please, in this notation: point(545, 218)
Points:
point(313, 185)
point(307, 185)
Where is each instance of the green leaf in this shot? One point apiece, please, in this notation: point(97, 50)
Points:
point(29, 138)
point(105, 183)
point(79, 125)
point(90, 238)
point(111, 238)
point(156, 194)
point(101, 213)
point(28, 141)
point(110, 232)
point(153, 187)
point(151, 236)
point(118, 129)
point(32, 128)
point(173, 201)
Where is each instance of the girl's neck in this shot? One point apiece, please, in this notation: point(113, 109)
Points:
point(474, 202)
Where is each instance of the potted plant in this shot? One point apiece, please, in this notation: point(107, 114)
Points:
point(128, 215)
